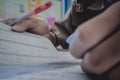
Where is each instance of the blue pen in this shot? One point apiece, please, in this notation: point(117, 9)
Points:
point(17, 20)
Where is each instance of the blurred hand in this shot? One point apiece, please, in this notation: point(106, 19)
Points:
point(32, 25)
point(98, 41)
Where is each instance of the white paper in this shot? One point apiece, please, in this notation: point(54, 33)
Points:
point(27, 49)
point(25, 56)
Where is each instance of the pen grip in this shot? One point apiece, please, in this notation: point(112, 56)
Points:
point(18, 20)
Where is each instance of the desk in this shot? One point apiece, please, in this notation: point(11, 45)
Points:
point(44, 72)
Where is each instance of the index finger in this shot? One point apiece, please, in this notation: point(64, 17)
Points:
point(24, 25)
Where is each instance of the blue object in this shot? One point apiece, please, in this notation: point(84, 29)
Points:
point(67, 5)
point(70, 39)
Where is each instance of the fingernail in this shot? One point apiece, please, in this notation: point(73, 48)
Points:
point(70, 39)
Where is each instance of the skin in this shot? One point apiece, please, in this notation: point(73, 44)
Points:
point(92, 43)
point(32, 25)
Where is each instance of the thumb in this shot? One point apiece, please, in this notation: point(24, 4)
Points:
point(18, 28)
point(22, 26)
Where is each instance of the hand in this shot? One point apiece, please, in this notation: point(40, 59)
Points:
point(98, 41)
point(32, 25)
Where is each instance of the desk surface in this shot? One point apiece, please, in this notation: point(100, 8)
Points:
point(43, 72)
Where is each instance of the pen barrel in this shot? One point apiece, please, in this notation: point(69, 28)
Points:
point(18, 20)
point(12, 23)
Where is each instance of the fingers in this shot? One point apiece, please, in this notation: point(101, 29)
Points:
point(104, 56)
point(22, 26)
point(38, 27)
point(8, 20)
point(89, 34)
point(32, 25)
point(75, 46)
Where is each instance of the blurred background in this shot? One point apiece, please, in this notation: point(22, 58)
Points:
point(18, 8)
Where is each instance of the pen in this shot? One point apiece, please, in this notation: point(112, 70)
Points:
point(34, 12)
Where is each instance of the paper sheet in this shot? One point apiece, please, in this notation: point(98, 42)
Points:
point(25, 56)
point(27, 49)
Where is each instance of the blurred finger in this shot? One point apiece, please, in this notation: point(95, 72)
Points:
point(23, 25)
point(104, 56)
point(89, 34)
point(8, 20)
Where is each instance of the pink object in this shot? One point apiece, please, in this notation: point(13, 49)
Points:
point(50, 21)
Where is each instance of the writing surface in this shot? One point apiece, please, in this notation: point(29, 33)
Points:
point(28, 49)
point(25, 56)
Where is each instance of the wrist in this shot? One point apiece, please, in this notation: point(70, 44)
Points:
point(52, 37)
